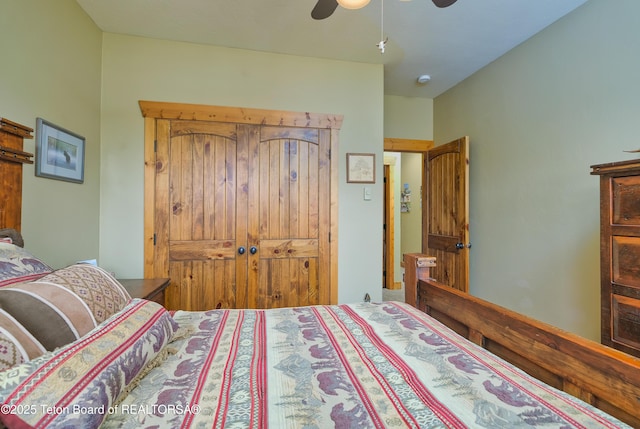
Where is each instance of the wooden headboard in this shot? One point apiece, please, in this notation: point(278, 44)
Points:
point(12, 157)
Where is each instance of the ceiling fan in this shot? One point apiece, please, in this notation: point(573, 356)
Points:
point(325, 8)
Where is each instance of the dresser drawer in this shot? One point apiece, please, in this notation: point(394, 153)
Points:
point(625, 328)
point(625, 207)
point(625, 254)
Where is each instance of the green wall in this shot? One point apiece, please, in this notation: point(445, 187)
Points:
point(51, 60)
point(538, 118)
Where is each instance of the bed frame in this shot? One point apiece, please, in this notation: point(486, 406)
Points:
point(606, 378)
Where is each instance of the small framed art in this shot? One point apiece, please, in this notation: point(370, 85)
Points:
point(361, 168)
point(59, 153)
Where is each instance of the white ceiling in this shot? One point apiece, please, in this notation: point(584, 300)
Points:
point(448, 44)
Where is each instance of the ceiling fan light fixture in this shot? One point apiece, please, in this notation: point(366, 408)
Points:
point(353, 4)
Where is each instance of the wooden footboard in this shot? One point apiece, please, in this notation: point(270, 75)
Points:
point(599, 375)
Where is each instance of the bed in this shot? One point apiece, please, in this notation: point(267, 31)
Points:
point(93, 357)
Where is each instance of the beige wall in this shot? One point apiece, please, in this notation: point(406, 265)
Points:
point(50, 68)
point(137, 68)
point(538, 118)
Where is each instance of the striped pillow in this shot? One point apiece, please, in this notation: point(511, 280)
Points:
point(18, 265)
point(65, 305)
point(17, 345)
point(83, 380)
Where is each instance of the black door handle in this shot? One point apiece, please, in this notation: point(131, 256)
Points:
point(241, 250)
point(253, 250)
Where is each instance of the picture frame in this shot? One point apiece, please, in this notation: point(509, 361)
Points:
point(59, 153)
point(361, 168)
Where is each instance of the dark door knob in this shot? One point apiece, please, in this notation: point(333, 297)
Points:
point(459, 246)
point(253, 250)
point(241, 250)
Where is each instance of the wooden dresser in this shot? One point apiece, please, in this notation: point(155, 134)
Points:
point(620, 254)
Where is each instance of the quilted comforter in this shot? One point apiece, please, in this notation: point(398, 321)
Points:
point(348, 366)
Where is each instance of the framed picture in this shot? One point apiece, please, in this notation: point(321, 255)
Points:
point(59, 153)
point(361, 168)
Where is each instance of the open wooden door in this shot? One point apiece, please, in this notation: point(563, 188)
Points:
point(446, 212)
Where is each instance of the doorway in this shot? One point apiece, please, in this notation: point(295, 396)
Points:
point(402, 202)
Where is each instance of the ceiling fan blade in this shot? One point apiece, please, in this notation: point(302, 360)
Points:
point(323, 9)
point(444, 3)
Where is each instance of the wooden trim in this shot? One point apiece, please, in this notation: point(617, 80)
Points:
point(149, 195)
point(407, 145)
point(333, 227)
point(389, 230)
point(606, 378)
point(241, 115)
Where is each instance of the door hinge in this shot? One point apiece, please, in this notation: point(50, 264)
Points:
point(154, 238)
point(155, 146)
point(329, 153)
point(329, 237)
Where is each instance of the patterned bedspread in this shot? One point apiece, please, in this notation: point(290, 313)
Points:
point(347, 366)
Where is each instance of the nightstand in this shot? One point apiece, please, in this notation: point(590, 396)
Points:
point(151, 289)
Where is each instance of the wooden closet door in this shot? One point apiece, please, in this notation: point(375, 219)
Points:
point(240, 205)
point(289, 217)
point(198, 192)
point(248, 214)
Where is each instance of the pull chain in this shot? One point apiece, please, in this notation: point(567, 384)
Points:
point(383, 42)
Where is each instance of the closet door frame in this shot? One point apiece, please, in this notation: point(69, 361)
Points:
point(157, 265)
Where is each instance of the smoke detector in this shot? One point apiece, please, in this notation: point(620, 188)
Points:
point(422, 79)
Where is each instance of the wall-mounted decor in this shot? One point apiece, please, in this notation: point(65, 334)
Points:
point(59, 153)
point(361, 168)
point(405, 199)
